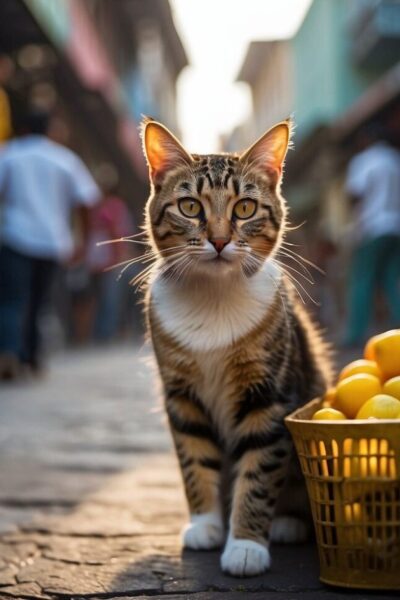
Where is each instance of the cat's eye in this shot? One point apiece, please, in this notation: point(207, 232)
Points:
point(244, 209)
point(190, 207)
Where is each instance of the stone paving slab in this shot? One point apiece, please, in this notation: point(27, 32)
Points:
point(91, 500)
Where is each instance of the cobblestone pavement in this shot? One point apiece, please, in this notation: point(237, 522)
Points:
point(91, 502)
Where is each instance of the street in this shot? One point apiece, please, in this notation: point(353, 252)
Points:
point(91, 502)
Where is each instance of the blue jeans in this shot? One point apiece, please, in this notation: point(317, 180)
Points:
point(108, 311)
point(375, 264)
point(24, 284)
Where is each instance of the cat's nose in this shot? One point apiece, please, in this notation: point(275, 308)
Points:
point(219, 243)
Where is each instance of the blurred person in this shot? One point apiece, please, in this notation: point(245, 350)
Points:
point(109, 220)
point(6, 69)
point(373, 184)
point(41, 184)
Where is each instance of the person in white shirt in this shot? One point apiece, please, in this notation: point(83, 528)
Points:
point(373, 183)
point(41, 184)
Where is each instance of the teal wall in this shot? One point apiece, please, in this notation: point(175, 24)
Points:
point(325, 80)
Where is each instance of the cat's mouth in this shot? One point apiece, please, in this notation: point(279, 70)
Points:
point(219, 258)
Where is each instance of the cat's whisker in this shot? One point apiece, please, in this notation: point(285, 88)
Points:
point(168, 264)
point(296, 283)
point(167, 253)
point(285, 243)
point(108, 242)
point(144, 273)
point(257, 256)
point(291, 277)
point(306, 260)
point(163, 267)
point(283, 259)
point(250, 258)
point(183, 266)
point(310, 280)
point(294, 227)
point(142, 276)
point(191, 261)
point(295, 288)
point(142, 258)
point(289, 256)
point(258, 262)
point(124, 239)
point(150, 255)
point(254, 255)
point(170, 268)
point(124, 269)
point(136, 235)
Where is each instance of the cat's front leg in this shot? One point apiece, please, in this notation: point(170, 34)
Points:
point(261, 460)
point(200, 461)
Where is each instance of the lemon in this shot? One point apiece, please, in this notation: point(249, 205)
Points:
point(392, 387)
point(360, 366)
point(386, 350)
point(366, 458)
point(369, 350)
point(381, 406)
point(356, 532)
point(328, 414)
point(329, 397)
point(354, 391)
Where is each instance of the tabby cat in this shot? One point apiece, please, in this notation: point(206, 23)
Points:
point(235, 348)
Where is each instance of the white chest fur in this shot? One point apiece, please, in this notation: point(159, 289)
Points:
point(213, 313)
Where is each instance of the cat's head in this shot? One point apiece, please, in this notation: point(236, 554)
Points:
point(217, 213)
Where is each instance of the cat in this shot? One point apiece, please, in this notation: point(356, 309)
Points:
point(235, 348)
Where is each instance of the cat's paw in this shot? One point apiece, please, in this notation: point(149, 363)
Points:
point(244, 558)
point(204, 532)
point(288, 530)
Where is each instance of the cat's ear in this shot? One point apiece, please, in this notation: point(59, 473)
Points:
point(269, 151)
point(162, 150)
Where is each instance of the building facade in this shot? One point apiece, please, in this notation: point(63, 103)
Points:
point(339, 72)
point(98, 65)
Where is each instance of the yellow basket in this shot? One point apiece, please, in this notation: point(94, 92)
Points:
point(352, 472)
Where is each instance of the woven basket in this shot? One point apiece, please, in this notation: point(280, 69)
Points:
point(352, 470)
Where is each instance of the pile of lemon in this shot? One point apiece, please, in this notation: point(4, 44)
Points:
point(368, 388)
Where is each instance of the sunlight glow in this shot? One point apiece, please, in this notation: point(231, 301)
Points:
point(216, 34)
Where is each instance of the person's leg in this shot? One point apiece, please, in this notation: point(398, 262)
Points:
point(15, 272)
point(108, 307)
point(43, 272)
point(362, 278)
point(390, 269)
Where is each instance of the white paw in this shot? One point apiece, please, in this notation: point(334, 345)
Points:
point(288, 530)
point(243, 558)
point(203, 532)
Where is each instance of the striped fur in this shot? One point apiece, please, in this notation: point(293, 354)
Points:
point(236, 351)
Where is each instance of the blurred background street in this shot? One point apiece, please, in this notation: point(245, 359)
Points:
point(85, 453)
point(93, 67)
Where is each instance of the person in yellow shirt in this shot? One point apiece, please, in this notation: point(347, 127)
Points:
point(6, 68)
